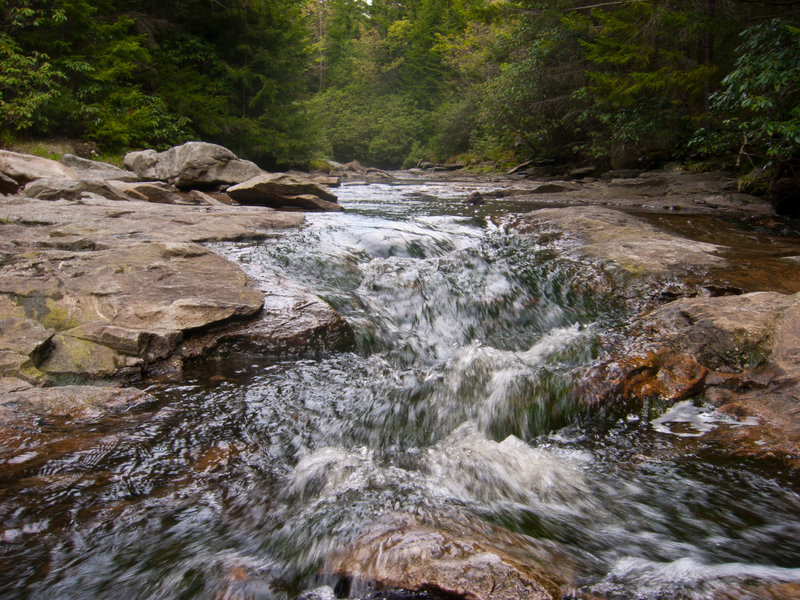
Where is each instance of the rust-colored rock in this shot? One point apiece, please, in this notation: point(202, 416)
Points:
point(761, 591)
point(665, 375)
point(741, 353)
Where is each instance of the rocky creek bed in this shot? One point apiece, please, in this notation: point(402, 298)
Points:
point(478, 388)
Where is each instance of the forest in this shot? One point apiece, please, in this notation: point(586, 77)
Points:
point(624, 84)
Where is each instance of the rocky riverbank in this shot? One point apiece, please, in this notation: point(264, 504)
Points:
point(706, 327)
point(104, 280)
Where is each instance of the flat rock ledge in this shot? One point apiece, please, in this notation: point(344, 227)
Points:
point(675, 191)
point(628, 242)
point(629, 259)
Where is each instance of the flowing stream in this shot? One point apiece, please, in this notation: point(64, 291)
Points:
point(457, 401)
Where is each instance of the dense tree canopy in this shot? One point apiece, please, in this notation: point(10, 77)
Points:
point(392, 82)
point(133, 73)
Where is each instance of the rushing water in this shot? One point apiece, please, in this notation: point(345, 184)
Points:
point(457, 401)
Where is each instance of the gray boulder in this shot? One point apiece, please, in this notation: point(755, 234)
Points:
point(194, 164)
point(22, 168)
point(281, 190)
point(51, 188)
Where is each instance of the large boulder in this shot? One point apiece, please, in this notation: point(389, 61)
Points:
point(292, 321)
point(281, 190)
point(88, 310)
point(194, 164)
point(628, 242)
point(728, 333)
point(106, 289)
point(22, 168)
point(622, 256)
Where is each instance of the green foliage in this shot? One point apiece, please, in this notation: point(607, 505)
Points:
point(380, 129)
point(760, 98)
point(646, 81)
point(529, 108)
point(27, 82)
point(134, 73)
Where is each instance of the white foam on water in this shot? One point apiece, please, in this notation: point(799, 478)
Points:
point(687, 578)
point(684, 419)
point(472, 468)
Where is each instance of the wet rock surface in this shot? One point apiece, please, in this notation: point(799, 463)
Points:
point(20, 402)
point(630, 243)
point(292, 321)
point(740, 354)
point(631, 260)
point(184, 483)
point(454, 560)
point(715, 316)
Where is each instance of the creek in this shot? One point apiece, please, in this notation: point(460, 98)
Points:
point(456, 402)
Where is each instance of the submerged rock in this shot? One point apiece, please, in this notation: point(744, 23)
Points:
point(476, 199)
point(553, 188)
point(455, 559)
point(324, 592)
point(78, 403)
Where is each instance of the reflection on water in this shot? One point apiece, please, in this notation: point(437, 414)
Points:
point(455, 403)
